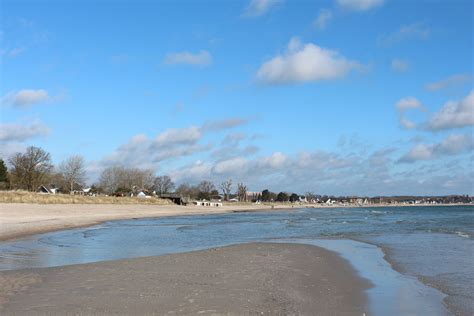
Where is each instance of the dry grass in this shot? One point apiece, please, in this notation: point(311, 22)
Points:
point(38, 198)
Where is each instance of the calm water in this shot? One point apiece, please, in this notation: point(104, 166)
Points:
point(431, 244)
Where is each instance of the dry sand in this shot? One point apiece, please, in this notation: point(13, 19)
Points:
point(21, 219)
point(249, 279)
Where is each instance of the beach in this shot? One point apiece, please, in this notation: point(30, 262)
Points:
point(389, 246)
point(248, 279)
point(23, 219)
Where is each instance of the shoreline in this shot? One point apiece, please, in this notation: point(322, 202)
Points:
point(20, 220)
point(254, 278)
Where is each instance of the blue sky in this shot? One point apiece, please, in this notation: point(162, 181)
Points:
point(335, 97)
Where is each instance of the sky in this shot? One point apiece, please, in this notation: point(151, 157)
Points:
point(342, 97)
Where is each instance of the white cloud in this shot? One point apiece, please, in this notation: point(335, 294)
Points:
point(234, 139)
point(203, 58)
point(412, 31)
point(419, 152)
point(408, 103)
point(14, 132)
point(452, 145)
point(173, 143)
point(360, 5)
point(25, 98)
point(302, 63)
point(399, 65)
point(450, 82)
point(193, 173)
point(231, 166)
point(8, 149)
point(178, 136)
point(258, 8)
point(454, 114)
point(407, 123)
point(276, 161)
point(323, 19)
point(405, 104)
point(334, 173)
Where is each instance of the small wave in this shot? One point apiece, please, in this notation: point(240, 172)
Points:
point(463, 234)
point(377, 212)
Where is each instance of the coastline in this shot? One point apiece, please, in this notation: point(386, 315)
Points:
point(23, 219)
point(256, 278)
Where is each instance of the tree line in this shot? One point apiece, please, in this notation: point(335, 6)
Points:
point(34, 167)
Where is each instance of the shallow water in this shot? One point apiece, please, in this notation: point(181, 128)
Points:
point(432, 244)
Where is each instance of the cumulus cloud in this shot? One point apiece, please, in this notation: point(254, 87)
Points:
point(452, 145)
point(231, 166)
point(258, 8)
point(25, 98)
point(302, 63)
point(406, 32)
point(15, 132)
point(234, 139)
point(323, 19)
point(405, 104)
point(399, 65)
point(360, 5)
point(335, 173)
point(450, 82)
point(406, 122)
point(454, 114)
point(178, 136)
point(172, 143)
point(203, 58)
point(269, 170)
point(408, 103)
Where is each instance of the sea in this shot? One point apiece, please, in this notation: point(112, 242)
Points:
point(420, 259)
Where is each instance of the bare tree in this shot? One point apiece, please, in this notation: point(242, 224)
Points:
point(30, 169)
point(125, 180)
point(205, 188)
point(310, 196)
point(242, 192)
point(226, 188)
point(188, 190)
point(109, 179)
point(163, 185)
point(73, 171)
point(141, 179)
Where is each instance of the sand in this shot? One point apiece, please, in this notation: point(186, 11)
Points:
point(248, 279)
point(19, 219)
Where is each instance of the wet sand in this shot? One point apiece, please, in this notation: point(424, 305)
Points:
point(21, 219)
point(249, 279)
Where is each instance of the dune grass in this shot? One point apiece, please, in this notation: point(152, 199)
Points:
point(38, 198)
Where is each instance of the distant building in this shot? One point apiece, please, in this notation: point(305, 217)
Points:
point(207, 203)
point(42, 189)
